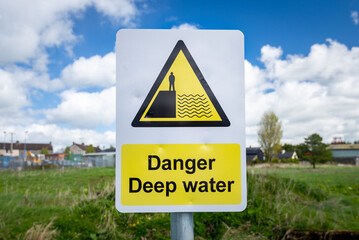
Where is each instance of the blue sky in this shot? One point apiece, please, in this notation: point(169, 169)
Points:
point(293, 25)
point(57, 75)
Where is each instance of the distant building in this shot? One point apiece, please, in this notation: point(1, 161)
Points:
point(254, 154)
point(74, 157)
point(110, 150)
point(56, 156)
point(345, 153)
point(287, 155)
point(101, 159)
point(76, 148)
point(17, 149)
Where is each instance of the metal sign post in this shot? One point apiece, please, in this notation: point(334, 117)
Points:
point(182, 226)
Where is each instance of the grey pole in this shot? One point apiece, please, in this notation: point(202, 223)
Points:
point(25, 146)
point(182, 226)
point(11, 145)
point(4, 142)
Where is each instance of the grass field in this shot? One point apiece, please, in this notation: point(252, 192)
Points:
point(36, 197)
point(79, 204)
point(325, 198)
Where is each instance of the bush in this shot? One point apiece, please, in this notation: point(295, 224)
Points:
point(256, 161)
point(295, 160)
point(275, 160)
point(289, 160)
point(210, 225)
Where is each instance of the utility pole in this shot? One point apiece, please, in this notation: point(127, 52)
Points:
point(25, 146)
point(4, 142)
point(12, 135)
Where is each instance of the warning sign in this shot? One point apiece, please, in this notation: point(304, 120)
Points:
point(180, 96)
point(180, 121)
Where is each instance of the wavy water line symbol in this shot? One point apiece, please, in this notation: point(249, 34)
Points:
point(191, 98)
point(199, 116)
point(193, 106)
point(194, 111)
point(205, 108)
point(194, 101)
point(190, 95)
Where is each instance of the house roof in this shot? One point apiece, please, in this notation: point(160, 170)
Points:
point(343, 146)
point(83, 147)
point(29, 146)
point(253, 151)
point(285, 155)
point(110, 150)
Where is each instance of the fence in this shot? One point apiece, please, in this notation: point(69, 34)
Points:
point(20, 163)
point(347, 160)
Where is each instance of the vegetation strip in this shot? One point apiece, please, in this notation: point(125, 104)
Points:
point(79, 204)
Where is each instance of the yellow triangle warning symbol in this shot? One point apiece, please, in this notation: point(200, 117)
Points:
point(180, 96)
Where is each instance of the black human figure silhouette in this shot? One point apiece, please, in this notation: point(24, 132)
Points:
point(172, 81)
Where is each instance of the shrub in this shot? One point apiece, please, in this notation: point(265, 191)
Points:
point(295, 160)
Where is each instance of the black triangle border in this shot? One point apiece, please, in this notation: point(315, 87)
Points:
point(180, 46)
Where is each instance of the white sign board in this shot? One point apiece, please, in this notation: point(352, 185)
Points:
point(180, 121)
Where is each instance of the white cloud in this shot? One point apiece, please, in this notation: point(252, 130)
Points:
point(29, 27)
point(56, 34)
point(270, 53)
point(185, 26)
point(123, 11)
point(95, 71)
point(12, 98)
point(314, 93)
point(17, 89)
point(332, 65)
point(355, 17)
point(84, 109)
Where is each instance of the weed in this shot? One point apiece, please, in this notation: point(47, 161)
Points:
point(39, 232)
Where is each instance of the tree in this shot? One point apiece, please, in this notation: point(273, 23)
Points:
point(301, 150)
point(44, 151)
point(288, 147)
point(269, 134)
point(318, 151)
point(67, 150)
point(90, 149)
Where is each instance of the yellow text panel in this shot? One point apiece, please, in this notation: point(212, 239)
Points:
point(180, 174)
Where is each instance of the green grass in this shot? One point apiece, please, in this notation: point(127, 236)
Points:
point(28, 197)
point(340, 183)
point(79, 204)
point(323, 174)
point(334, 189)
